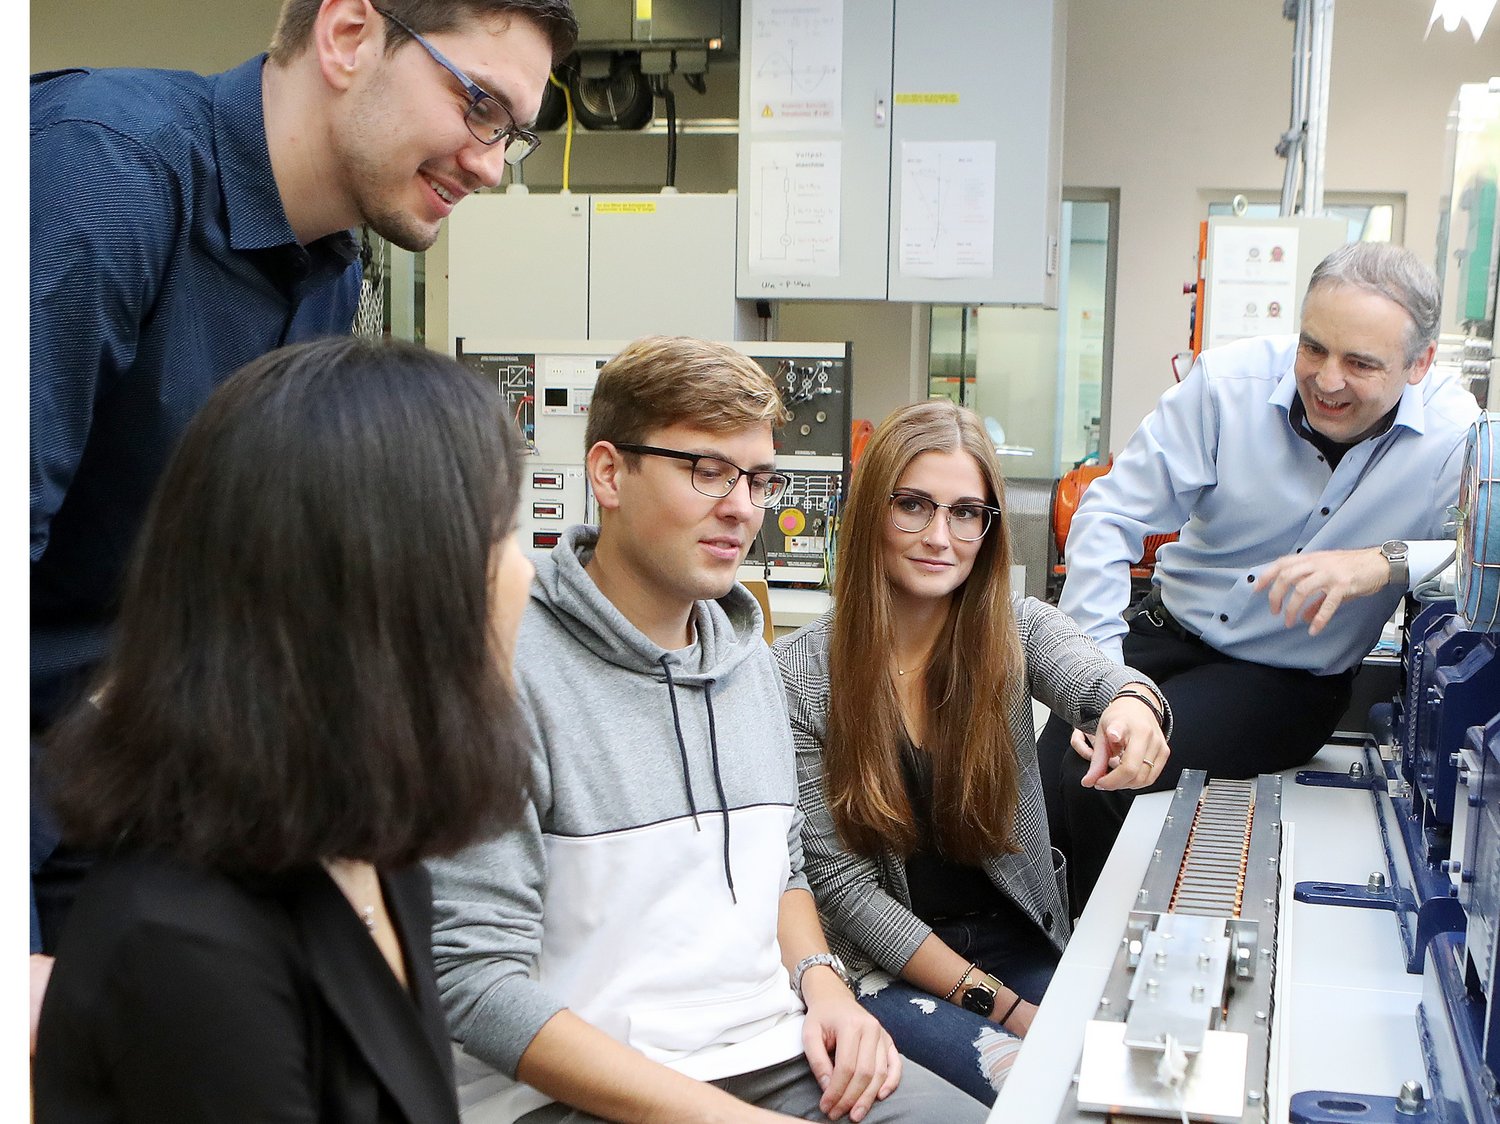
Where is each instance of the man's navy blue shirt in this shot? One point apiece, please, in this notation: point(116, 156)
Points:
point(161, 261)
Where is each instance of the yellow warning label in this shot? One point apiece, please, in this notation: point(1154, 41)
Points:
point(766, 112)
point(644, 207)
point(642, 9)
point(926, 99)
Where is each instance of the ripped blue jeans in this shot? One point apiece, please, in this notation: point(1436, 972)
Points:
point(963, 1048)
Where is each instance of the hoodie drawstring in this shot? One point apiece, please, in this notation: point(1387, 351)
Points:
point(713, 750)
point(687, 779)
point(687, 774)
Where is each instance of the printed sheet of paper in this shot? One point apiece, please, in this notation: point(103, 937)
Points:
point(796, 61)
point(1253, 283)
point(948, 209)
point(794, 208)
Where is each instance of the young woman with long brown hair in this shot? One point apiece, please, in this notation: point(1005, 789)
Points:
point(925, 835)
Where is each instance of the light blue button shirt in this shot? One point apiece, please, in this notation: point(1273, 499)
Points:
point(1219, 459)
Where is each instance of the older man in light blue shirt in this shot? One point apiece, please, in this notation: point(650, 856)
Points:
point(1310, 478)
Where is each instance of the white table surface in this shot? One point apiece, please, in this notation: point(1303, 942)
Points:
point(1347, 1016)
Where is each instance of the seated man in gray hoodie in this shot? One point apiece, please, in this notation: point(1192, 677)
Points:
point(644, 945)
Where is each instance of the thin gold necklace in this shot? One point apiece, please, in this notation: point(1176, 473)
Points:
point(341, 871)
point(919, 667)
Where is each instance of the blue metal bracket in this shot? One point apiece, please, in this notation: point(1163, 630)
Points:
point(1319, 1107)
point(1322, 778)
point(1435, 915)
point(1394, 898)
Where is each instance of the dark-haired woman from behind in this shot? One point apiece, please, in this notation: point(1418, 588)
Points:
point(309, 693)
point(925, 836)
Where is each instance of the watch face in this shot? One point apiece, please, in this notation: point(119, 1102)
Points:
point(979, 999)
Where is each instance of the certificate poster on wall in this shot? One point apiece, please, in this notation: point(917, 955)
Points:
point(948, 208)
point(1253, 280)
point(797, 66)
point(794, 208)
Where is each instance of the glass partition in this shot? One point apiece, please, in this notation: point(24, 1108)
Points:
point(1037, 376)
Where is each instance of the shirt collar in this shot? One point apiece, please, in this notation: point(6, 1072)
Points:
point(257, 219)
point(1410, 409)
point(252, 203)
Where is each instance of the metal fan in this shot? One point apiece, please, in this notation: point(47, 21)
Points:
point(1479, 527)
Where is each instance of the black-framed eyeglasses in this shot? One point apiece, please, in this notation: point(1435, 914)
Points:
point(716, 477)
point(966, 521)
point(487, 118)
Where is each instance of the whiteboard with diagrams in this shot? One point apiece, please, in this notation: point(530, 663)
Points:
point(794, 208)
point(796, 61)
point(948, 208)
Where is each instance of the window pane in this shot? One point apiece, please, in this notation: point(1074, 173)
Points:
point(1035, 375)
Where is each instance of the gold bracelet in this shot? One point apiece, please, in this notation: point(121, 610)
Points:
point(963, 979)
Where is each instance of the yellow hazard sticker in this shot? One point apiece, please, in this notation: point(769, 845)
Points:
point(926, 99)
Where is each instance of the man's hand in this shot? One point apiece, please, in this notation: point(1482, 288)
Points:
point(1128, 749)
point(852, 1057)
point(41, 972)
point(1311, 587)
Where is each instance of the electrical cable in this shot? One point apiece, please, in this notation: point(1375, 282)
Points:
point(663, 89)
point(567, 166)
point(1432, 587)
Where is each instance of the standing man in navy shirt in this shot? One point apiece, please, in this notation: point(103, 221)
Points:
point(183, 225)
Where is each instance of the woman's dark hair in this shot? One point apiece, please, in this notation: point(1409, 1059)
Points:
point(304, 665)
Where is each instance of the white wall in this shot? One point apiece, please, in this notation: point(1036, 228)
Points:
point(202, 35)
point(1169, 97)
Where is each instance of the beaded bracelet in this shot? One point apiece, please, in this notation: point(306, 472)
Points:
point(963, 979)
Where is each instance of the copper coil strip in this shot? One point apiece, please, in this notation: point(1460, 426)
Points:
point(1211, 877)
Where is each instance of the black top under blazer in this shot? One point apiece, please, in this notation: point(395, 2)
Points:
point(182, 996)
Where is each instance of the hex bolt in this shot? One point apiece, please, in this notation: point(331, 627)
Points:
point(1411, 1099)
point(1376, 882)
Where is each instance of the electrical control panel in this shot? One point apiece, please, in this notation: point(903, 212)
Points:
point(796, 540)
point(815, 393)
point(548, 386)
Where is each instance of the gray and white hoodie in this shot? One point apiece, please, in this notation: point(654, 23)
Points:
point(641, 888)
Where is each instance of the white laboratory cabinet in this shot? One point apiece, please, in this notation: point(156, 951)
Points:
point(613, 267)
point(905, 150)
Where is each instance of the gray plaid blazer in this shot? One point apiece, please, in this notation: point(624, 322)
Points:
point(864, 902)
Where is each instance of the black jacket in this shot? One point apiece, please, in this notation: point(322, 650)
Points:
point(181, 995)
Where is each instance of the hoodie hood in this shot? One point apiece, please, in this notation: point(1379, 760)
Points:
point(727, 631)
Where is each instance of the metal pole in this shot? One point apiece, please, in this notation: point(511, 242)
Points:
point(1317, 131)
point(1292, 146)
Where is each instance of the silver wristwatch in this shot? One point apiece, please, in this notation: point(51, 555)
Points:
point(1395, 553)
point(826, 958)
